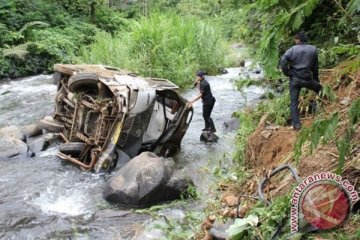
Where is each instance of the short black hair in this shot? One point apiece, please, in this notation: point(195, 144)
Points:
point(301, 36)
point(200, 74)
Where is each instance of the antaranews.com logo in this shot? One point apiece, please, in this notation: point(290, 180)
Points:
point(323, 200)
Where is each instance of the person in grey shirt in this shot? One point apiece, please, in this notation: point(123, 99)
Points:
point(300, 63)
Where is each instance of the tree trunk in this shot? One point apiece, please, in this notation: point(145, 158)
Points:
point(93, 12)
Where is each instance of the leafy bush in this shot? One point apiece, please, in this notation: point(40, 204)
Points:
point(47, 47)
point(36, 34)
point(334, 53)
point(321, 129)
point(110, 21)
point(262, 221)
point(324, 130)
point(269, 27)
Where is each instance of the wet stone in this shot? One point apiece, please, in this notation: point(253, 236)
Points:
point(38, 144)
point(11, 147)
point(32, 130)
point(208, 137)
point(218, 231)
point(146, 180)
point(232, 124)
point(173, 214)
point(153, 230)
point(13, 132)
point(141, 182)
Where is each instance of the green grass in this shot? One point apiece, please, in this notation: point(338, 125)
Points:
point(161, 45)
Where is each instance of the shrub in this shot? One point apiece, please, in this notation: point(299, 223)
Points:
point(162, 45)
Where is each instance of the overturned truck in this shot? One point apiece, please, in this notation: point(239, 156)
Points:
point(106, 116)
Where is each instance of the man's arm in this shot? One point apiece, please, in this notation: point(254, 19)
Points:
point(315, 68)
point(202, 87)
point(196, 98)
point(284, 61)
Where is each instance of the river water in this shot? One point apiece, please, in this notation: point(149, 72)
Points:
point(46, 198)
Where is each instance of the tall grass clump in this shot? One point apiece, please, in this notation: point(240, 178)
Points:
point(161, 45)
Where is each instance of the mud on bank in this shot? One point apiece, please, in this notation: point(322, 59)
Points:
point(309, 151)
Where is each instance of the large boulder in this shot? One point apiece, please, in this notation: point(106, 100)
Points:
point(12, 147)
point(32, 130)
point(13, 132)
point(12, 143)
point(141, 182)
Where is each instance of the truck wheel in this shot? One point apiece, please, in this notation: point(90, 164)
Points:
point(51, 125)
point(83, 82)
point(72, 148)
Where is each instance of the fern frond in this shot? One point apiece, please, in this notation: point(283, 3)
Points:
point(19, 50)
point(297, 20)
point(33, 24)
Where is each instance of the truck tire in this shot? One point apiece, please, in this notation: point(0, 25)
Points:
point(72, 148)
point(83, 82)
point(51, 125)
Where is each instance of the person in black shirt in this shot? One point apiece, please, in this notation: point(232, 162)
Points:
point(300, 63)
point(207, 99)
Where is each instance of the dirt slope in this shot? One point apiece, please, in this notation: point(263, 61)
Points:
point(271, 146)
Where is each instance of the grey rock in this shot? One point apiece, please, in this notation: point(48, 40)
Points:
point(32, 130)
point(112, 214)
point(218, 231)
point(242, 63)
point(176, 186)
point(223, 71)
point(154, 233)
point(208, 137)
point(38, 144)
point(52, 137)
point(217, 234)
point(232, 124)
point(141, 181)
point(173, 214)
point(12, 147)
point(153, 230)
point(13, 132)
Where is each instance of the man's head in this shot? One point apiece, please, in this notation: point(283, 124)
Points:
point(301, 37)
point(200, 75)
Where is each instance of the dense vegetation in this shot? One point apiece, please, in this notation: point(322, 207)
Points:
point(170, 39)
point(174, 38)
point(37, 34)
point(161, 45)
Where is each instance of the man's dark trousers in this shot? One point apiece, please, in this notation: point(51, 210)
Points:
point(207, 109)
point(295, 86)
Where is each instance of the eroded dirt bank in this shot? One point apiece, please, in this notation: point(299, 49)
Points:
point(327, 136)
